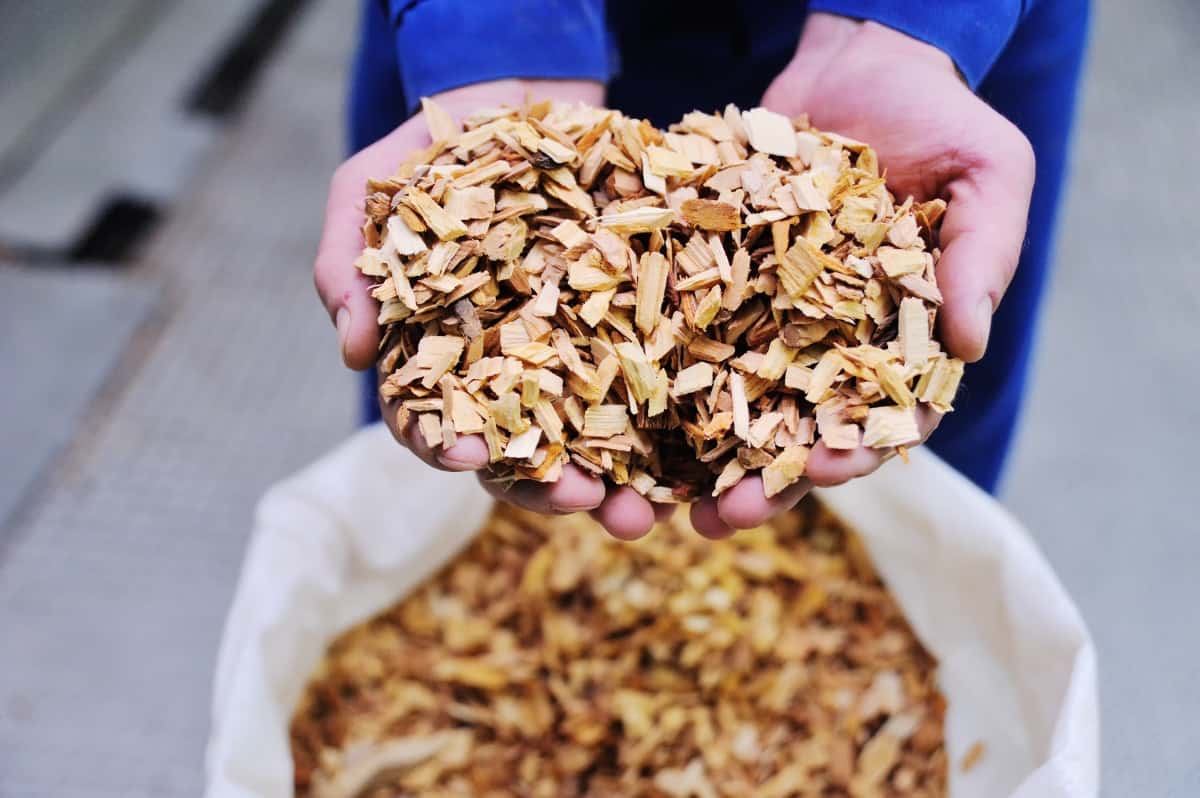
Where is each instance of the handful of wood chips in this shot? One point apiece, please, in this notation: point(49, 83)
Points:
point(665, 309)
point(549, 660)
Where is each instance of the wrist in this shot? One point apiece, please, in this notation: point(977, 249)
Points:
point(826, 36)
point(461, 100)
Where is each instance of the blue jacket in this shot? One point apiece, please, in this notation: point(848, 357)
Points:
point(443, 44)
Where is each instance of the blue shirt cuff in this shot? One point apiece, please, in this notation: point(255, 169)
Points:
point(972, 32)
point(443, 44)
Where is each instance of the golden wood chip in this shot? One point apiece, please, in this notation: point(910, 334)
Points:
point(701, 279)
point(548, 659)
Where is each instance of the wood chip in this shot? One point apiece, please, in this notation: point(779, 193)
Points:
point(972, 756)
point(914, 332)
point(604, 421)
point(786, 469)
point(651, 287)
point(711, 215)
point(770, 132)
point(891, 426)
point(443, 225)
point(548, 658)
point(523, 446)
point(474, 202)
point(736, 286)
point(442, 127)
point(695, 377)
point(899, 262)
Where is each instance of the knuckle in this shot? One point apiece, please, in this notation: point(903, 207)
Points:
point(1018, 151)
point(340, 180)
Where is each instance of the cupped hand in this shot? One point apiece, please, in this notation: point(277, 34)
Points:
point(934, 138)
point(345, 294)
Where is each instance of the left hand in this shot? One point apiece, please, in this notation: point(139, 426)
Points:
point(934, 138)
point(345, 294)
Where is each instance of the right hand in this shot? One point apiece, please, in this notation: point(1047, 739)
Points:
point(344, 292)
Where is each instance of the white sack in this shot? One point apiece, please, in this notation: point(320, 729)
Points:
point(352, 533)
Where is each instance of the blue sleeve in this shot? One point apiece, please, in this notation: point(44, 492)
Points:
point(972, 32)
point(442, 44)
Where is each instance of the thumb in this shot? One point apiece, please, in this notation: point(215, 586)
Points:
point(981, 240)
point(343, 290)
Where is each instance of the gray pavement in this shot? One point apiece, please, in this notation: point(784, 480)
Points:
point(108, 119)
point(116, 576)
point(1105, 468)
point(114, 587)
point(86, 317)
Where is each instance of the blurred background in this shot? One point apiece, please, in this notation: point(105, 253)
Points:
point(163, 359)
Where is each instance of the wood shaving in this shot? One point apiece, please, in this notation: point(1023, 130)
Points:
point(973, 755)
point(701, 278)
point(548, 659)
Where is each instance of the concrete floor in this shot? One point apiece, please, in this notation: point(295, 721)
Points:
point(116, 572)
point(1105, 468)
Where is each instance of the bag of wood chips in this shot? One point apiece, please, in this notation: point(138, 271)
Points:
point(772, 664)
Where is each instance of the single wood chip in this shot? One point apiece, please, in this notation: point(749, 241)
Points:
point(711, 215)
point(770, 132)
point(973, 755)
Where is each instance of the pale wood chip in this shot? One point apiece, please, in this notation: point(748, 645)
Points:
point(668, 163)
point(741, 410)
point(695, 377)
point(899, 262)
point(806, 195)
point(770, 132)
point(442, 127)
point(914, 332)
point(405, 240)
point(639, 373)
point(891, 426)
point(651, 287)
point(784, 470)
point(522, 446)
point(443, 225)
point(604, 421)
point(474, 202)
point(638, 220)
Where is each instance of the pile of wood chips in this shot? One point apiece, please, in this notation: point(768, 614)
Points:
point(549, 660)
point(665, 309)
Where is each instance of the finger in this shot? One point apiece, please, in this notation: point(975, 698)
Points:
point(745, 505)
point(981, 239)
point(469, 452)
point(707, 522)
point(343, 290)
point(828, 467)
point(625, 513)
point(574, 492)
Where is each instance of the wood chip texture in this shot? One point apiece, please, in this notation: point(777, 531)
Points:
point(548, 659)
point(571, 241)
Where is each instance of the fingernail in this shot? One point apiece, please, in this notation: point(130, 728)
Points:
point(451, 462)
point(568, 508)
point(983, 318)
point(342, 320)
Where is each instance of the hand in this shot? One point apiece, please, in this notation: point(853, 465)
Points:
point(344, 291)
point(935, 138)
